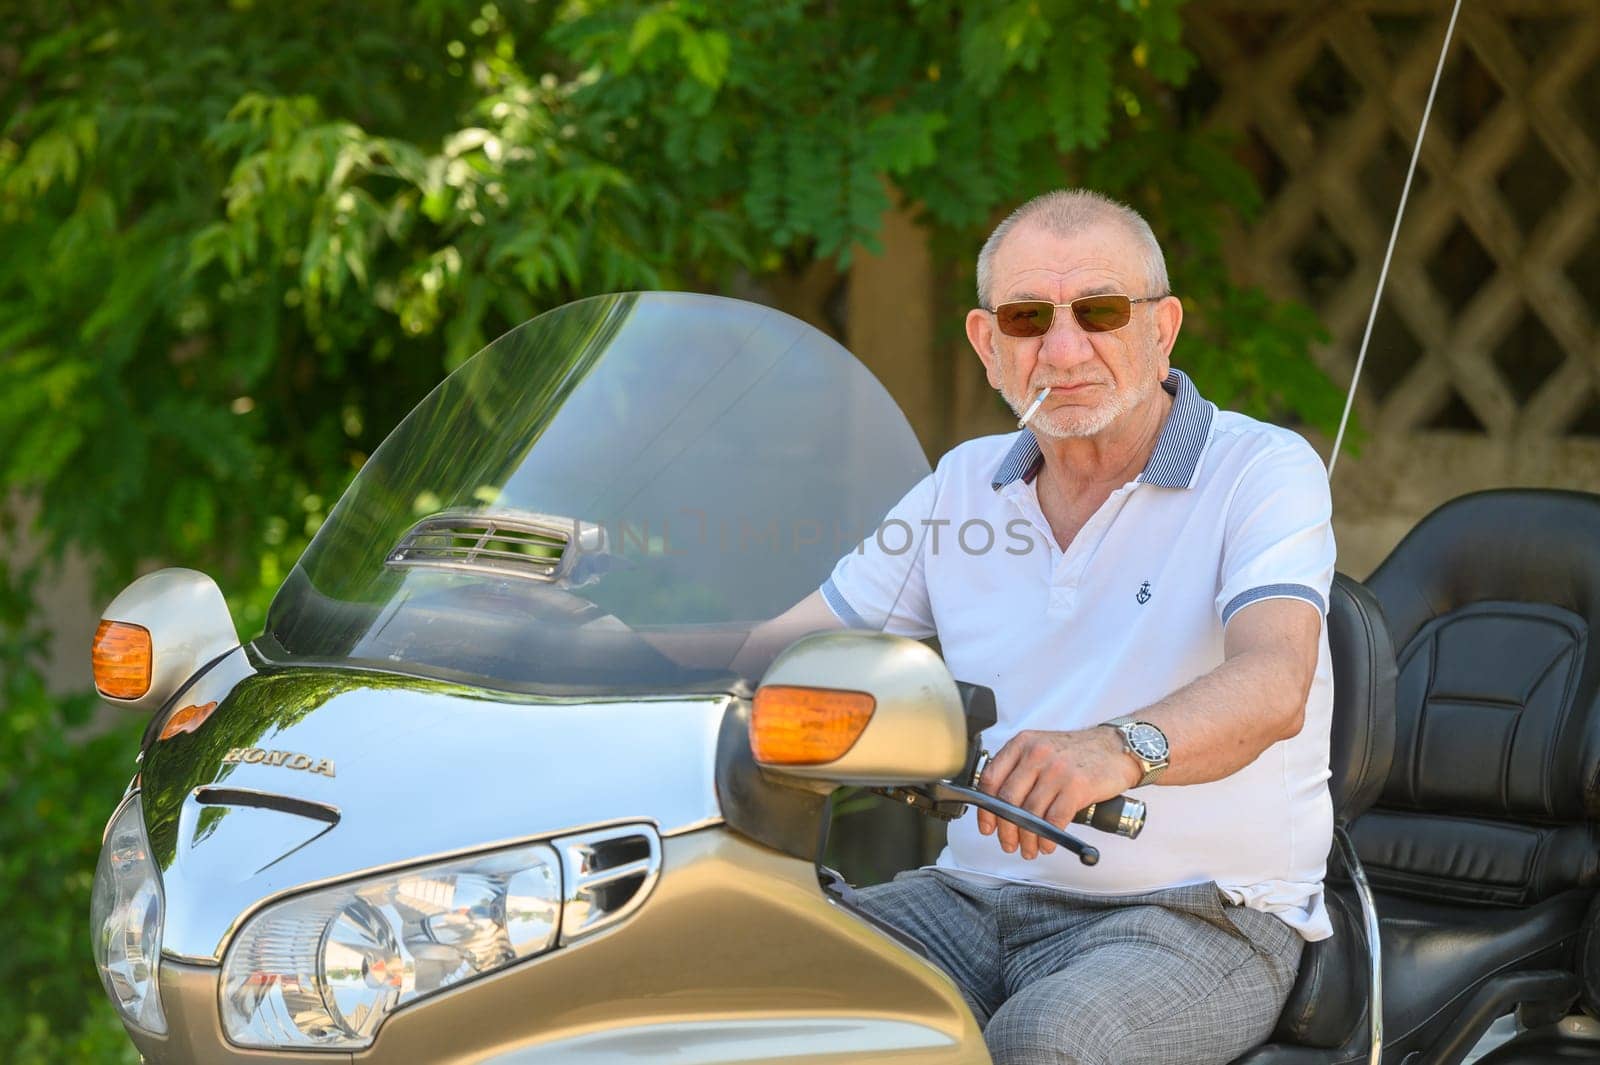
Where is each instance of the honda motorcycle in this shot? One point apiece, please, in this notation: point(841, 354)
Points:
point(497, 783)
point(509, 778)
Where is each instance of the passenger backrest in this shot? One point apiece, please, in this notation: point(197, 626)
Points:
point(1329, 995)
point(1491, 601)
point(1362, 657)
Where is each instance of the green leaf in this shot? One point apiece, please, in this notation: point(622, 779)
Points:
point(41, 453)
point(1078, 89)
point(706, 54)
point(651, 25)
point(904, 141)
point(53, 157)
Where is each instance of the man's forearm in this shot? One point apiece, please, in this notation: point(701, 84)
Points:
point(811, 614)
point(1215, 725)
point(1221, 721)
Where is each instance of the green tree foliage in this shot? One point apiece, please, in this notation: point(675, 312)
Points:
point(56, 794)
point(241, 240)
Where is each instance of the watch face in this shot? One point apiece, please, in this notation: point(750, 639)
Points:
point(1148, 742)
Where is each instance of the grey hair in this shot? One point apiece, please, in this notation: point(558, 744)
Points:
point(1067, 211)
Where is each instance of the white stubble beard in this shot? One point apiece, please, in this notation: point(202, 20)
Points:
point(1073, 421)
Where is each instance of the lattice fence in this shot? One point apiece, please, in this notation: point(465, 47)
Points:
point(1490, 319)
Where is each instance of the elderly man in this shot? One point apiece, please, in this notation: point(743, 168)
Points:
point(1150, 619)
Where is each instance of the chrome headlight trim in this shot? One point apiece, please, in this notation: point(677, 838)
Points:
point(323, 969)
point(606, 874)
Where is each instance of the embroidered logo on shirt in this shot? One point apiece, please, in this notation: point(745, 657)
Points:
point(1144, 593)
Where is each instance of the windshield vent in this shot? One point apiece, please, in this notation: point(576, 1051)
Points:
point(606, 875)
point(507, 547)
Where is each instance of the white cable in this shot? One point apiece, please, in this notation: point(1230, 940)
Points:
point(1394, 234)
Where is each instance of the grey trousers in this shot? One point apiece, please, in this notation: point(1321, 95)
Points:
point(1174, 977)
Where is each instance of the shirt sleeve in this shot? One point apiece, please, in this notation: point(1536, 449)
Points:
point(881, 584)
point(1278, 542)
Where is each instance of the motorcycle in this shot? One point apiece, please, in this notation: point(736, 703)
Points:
point(492, 785)
point(516, 774)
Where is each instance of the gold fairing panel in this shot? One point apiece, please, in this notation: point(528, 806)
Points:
point(418, 770)
point(736, 958)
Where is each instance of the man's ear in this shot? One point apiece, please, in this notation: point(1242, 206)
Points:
point(1169, 319)
point(981, 335)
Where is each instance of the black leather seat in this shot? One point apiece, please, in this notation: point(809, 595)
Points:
point(1436, 957)
point(1327, 1006)
point(1481, 846)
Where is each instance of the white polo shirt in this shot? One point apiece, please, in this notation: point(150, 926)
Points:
point(1229, 511)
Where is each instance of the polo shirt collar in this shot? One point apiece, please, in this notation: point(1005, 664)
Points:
point(1173, 462)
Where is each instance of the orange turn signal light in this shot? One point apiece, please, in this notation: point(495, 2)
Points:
point(187, 719)
point(806, 726)
point(122, 657)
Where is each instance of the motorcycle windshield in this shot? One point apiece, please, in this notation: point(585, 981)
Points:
point(608, 498)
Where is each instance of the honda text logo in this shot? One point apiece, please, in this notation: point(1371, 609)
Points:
point(286, 759)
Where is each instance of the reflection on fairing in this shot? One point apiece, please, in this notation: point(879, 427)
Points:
point(461, 768)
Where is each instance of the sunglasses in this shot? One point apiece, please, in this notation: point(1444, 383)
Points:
point(1094, 314)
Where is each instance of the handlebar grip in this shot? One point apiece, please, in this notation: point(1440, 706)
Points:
point(1121, 816)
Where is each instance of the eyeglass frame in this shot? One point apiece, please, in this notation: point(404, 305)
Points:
point(1132, 300)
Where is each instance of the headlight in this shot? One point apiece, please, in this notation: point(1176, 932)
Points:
point(125, 918)
point(326, 968)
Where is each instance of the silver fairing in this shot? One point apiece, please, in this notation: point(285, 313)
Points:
point(305, 776)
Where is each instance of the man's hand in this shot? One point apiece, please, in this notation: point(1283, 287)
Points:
point(1054, 775)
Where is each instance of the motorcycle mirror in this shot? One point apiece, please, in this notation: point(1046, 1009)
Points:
point(855, 707)
point(157, 634)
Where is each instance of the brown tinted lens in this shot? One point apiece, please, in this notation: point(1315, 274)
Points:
point(1027, 318)
point(1102, 314)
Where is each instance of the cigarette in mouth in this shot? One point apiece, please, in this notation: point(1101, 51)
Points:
point(1043, 392)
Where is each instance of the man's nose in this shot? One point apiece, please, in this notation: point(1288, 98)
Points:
point(1066, 344)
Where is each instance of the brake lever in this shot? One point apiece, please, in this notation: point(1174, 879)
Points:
point(944, 791)
point(1121, 815)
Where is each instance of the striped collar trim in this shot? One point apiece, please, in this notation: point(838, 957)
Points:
point(1172, 464)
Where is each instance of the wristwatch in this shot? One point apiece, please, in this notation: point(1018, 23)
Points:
point(1146, 743)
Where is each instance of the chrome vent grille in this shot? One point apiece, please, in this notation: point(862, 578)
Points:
point(530, 547)
point(606, 874)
